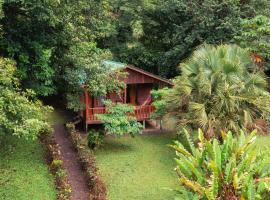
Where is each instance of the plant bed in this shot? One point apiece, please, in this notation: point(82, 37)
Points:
point(87, 160)
point(55, 163)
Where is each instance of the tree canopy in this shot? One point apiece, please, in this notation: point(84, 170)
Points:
point(56, 43)
point(157, 35)
point(21, 114)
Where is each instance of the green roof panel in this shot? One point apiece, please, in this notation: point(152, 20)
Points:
point(113, 65)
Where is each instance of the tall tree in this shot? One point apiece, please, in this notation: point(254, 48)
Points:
point(255, 36)
point(21, 114)
point(29, 37)
point(157, 35)
point(42, 35)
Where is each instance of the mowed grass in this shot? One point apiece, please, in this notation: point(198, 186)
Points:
point(23, 172)
point(139, 168)
point(263, 142)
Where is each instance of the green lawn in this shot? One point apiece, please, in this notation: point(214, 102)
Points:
point(263, 141)
point(23, 172)
point(139, 168)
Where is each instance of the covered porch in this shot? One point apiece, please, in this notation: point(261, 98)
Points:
point(137, 95)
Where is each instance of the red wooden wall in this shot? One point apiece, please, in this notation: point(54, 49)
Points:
point(135, 77)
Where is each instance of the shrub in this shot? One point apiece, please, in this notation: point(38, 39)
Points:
point(228, 170)
point(56, 164)
point(54, 159)
point(21, 114)
point(119, 119)
point(94, 139)
point(70, 127)
point(220, 88)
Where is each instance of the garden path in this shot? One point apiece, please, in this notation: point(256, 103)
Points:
point(76, 175)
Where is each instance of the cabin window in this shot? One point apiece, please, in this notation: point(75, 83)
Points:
point(115, 97)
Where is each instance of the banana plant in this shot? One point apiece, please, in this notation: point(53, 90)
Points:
point(233, 169)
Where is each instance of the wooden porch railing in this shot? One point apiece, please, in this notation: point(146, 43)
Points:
point(141, 113)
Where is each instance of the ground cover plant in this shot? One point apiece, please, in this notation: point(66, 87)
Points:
point(229, 170)
point(23, 171)
point(54, 161)
point(137, 168)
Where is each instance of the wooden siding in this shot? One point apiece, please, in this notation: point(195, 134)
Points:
point(135, 77)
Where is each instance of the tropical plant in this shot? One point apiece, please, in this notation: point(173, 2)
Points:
point(159, 102)
point(229, 170)
point(220, 88)
point(119, 119)
point(20, 113)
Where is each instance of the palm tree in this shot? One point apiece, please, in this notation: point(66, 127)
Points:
point(220, 88)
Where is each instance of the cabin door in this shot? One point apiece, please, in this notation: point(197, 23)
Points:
point(131, 94)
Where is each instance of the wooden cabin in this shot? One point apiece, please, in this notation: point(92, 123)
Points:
point(139, 84)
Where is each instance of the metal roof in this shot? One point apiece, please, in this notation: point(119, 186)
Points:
point(113, 65)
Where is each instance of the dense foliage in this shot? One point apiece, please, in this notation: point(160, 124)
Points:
point(230, 170)
point(119, 119)
point(219, 89)
point(20, 114)
point(86, 71)
point(55, 41)
point(255, 36)
point(58, 45)
point(157, 35)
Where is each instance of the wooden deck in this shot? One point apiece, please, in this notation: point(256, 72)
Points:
point(141, 113)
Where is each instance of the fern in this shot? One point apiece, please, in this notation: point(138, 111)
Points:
point(250, 190)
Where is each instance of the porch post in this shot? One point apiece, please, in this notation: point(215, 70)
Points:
point(160, 124)
point(86, 109)
point(125, 94)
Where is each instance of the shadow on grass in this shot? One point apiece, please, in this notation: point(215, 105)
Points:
point(113, 145)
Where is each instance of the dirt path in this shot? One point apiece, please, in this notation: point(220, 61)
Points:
point(75, 173)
